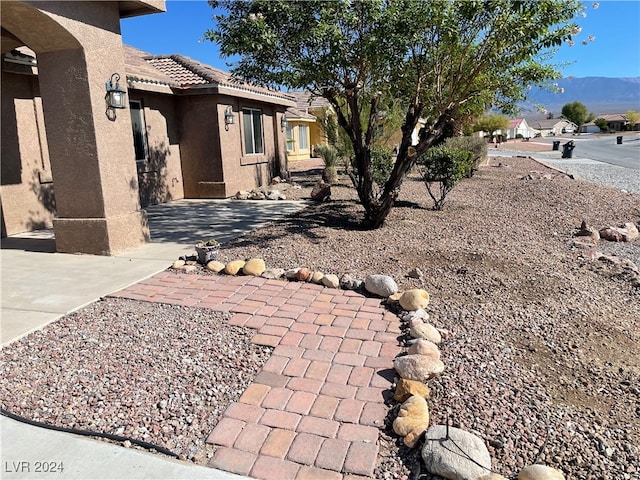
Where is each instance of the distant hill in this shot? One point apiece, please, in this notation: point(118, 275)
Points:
point(598, 94)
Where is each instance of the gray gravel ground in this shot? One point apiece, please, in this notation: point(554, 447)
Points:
point(542, 361)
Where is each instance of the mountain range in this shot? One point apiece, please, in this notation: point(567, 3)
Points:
point(599, 94)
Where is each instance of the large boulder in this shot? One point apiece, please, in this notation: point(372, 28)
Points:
point(412, 420)
point(417, 367)
point(540, 472)
point(447, 450)
point(414, 299)
point(381, 285)
point(254, 266)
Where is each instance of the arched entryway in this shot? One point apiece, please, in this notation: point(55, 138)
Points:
point(78, 48)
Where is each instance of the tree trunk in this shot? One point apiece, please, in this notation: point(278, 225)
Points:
point(376, 212)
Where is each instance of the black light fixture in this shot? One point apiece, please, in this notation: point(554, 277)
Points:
point(116, 96)
point(229, 119)
point(283, 123)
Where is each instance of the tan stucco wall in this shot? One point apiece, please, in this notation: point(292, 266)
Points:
point(26, 192)
point(214, 162)
point(78, 47)
point(160, 177)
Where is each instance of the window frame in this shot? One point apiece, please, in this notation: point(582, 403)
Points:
point(303, 137)
point(143, 121)
point(252, 113)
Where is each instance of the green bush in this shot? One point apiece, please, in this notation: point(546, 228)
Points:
point(381, 165)
point(329, 154)
point(477, 146)
point(441, 169)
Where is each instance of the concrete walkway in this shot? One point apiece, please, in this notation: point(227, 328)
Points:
point(39, 286)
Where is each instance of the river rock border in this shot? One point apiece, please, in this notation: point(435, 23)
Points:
point(449, 452)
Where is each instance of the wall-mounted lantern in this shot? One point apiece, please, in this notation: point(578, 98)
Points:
point(283, 123)
point(116, 96)
point(229, 119)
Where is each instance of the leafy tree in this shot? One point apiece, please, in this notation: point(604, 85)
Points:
point(632, 119)
point(444, 61)
point(602, 124)
point(577, 113)
point(492, 123)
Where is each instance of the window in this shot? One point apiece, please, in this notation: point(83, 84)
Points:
point(303, 133)
point(139, 130)
point(252, 124)
point(290, 141)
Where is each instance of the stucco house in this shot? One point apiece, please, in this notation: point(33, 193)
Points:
point(554, 126)
point(304, 131)
point(72, 160)
point(519, 126)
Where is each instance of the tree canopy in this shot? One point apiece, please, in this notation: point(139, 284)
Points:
point(444, 61)
point(576, 112)
point(492, 123)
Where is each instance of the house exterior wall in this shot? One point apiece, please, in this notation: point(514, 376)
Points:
point(298, 153)
point(214, 159)
point(160, 175)
point(26, 189)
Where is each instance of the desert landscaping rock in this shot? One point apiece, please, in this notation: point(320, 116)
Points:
point(414, 299)
point(178, 264)
point(407, 388)
point(540, 472)
point(254, 266)
point(316, 277)
point(234, 267)
point(417, 367)
point(303, 274)
point(291, 273)
point(425, 331)
point(273, 273)
point(380, 285)
point(215, 266)
point(447, 452)
point(412, 420)
point(424, 347)
point(331, 281)
point(420, 314)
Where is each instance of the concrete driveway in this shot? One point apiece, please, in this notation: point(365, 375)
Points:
point(39, 286)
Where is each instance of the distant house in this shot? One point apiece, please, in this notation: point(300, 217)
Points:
point(589, 127)
point(554, 126)
point(304, 131)
point(72, 161)
point(615, 121)
point(519, 126)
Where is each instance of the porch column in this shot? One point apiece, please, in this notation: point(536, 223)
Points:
point(92, 156)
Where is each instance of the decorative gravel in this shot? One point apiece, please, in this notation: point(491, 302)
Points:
point(159, 373)
point(542, 358)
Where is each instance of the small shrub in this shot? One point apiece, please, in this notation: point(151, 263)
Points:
point(381, 165)
point(477, 147)
point(329, 154)
point(441, 169)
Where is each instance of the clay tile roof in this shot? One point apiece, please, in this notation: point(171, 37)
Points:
point(293, 113)
point(177, 71)
point(304, 100)
point(138, 69)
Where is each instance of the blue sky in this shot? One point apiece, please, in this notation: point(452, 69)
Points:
point(615, 51)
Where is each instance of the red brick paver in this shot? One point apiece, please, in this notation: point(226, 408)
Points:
point(314, 410)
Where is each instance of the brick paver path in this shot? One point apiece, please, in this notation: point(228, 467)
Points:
point(314, 410)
